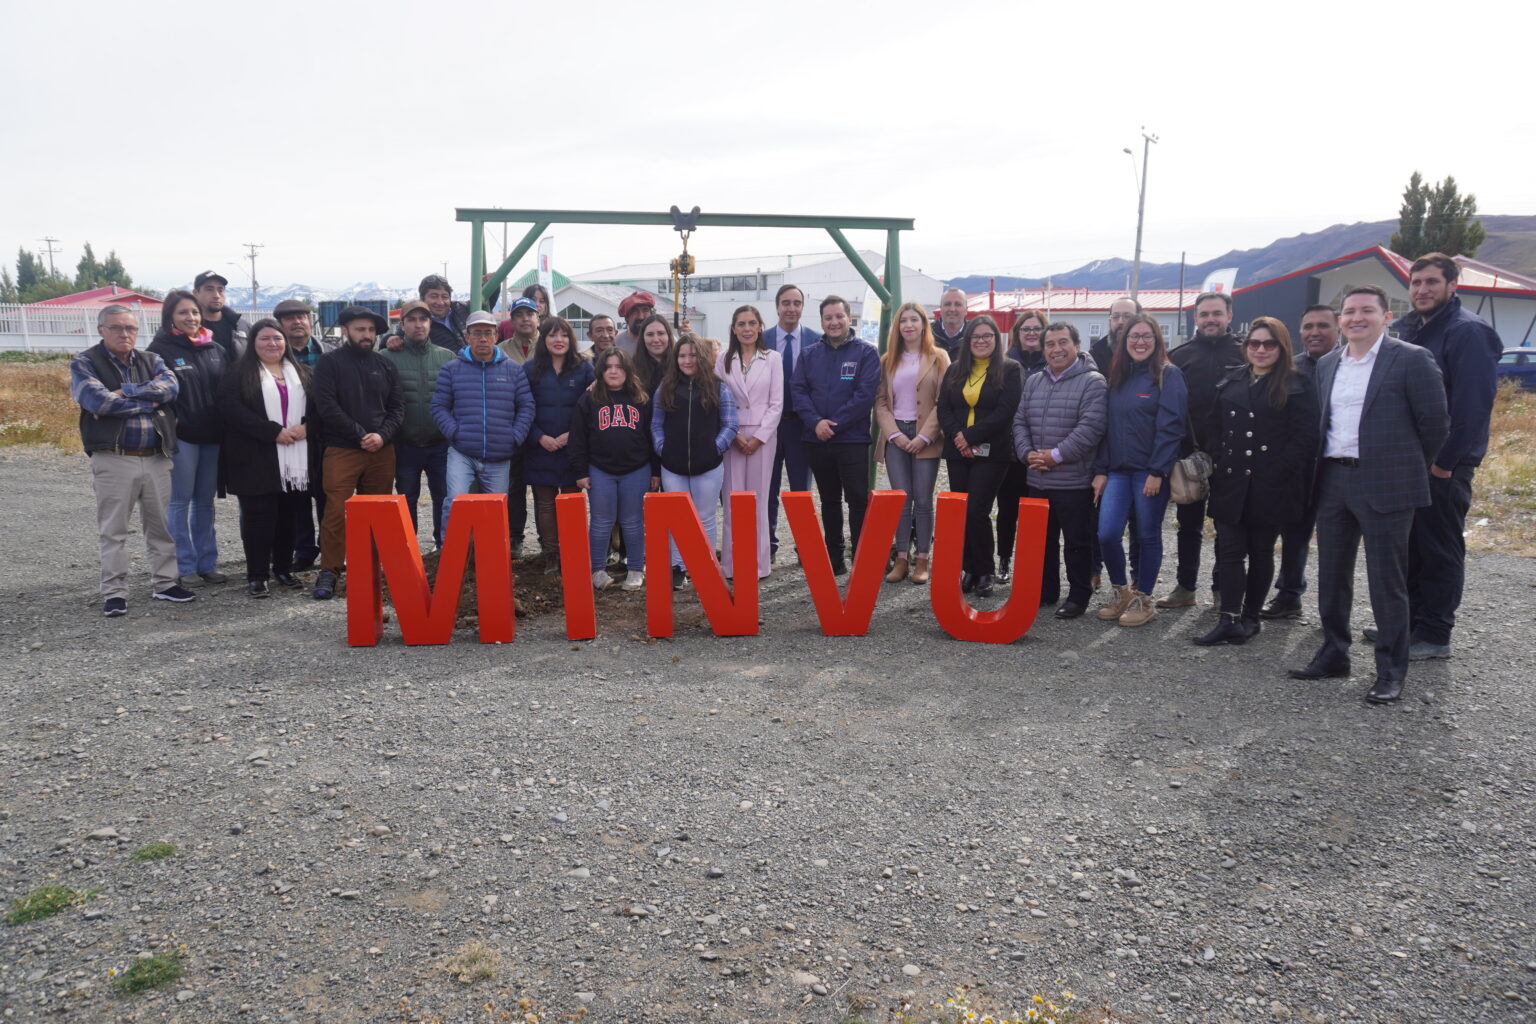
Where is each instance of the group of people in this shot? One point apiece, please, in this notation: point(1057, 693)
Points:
point(1366, 437)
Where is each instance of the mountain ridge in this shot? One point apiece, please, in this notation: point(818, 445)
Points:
point(1511, 244)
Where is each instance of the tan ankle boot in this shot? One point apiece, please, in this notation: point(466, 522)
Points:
point(920, 570)
point(1116, 608)
point(1139, 612)
point(898, 570)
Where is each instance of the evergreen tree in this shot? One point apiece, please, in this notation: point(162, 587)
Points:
point(87, 271)
point(1437, 218)
point(8, 292)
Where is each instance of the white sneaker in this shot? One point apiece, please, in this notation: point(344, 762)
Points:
point(601, 580)
point(634, 581)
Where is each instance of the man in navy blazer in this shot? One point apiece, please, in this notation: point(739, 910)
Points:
point(1384, 418)
point(789, 339)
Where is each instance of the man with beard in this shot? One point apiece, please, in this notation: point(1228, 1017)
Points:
point(633, 311)
point(1467, 351)
point(360, 405)
point(419, 446)
point(227, 326)
point(1204, 360)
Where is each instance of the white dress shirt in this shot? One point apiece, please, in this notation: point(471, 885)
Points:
point(1350, 380)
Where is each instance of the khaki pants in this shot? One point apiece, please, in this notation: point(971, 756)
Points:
point(349, 471)
point(121, 482)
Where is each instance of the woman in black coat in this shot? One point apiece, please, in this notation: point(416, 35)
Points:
point(1266, 425)
point(270, 454)
point(977, 400)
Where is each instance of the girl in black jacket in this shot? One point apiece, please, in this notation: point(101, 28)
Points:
point(977, 401)
point(1265, 424)
point(610, 452)
point(198, 361)
point(270, 456)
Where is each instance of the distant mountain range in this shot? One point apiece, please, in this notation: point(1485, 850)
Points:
point(1511, 244)
point(240, 297)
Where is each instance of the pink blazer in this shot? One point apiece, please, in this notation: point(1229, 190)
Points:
point(759, 393)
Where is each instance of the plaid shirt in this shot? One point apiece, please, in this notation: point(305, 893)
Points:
point(134, 406)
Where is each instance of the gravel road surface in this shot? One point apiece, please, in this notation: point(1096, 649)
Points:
point(752, 829)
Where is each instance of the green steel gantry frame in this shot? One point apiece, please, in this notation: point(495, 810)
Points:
point(889, 292)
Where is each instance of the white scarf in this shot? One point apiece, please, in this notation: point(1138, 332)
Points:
point(292, 459)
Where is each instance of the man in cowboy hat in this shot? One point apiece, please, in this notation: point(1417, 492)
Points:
point(361, 407)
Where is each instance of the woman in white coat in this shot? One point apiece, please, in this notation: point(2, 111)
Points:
point(755, 376)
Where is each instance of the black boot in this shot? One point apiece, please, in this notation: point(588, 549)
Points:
point(1227, 631)
point(1249, 624)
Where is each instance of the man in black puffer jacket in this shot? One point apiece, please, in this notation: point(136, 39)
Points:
point(1204, 360)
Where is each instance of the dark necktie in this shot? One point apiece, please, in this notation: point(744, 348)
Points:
point(789, 354)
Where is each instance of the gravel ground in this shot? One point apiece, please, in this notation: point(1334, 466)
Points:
point(745, 830)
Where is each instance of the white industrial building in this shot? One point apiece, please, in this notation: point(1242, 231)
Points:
point(718, 287)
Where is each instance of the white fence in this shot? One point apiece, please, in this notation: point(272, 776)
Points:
point(65, 328)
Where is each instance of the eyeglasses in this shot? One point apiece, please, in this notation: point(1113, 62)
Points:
point(121, 328)
point(983, 337)
point(1140, 337)
point(1263, 343)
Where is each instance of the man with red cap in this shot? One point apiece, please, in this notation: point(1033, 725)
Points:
point(633, 312)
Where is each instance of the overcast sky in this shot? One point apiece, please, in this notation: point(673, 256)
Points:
point(342, 137)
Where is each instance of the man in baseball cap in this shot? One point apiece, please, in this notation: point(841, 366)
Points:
point(523, 318)
point(360, 404)
point(420, 446)
point(229, 328)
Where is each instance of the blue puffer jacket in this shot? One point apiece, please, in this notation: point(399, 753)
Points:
point(554, 400)
point(1146, 423)
point(483, 409)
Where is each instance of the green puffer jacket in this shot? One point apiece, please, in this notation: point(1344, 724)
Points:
point(418, 364)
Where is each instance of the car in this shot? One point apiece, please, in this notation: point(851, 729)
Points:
point(1519, 364)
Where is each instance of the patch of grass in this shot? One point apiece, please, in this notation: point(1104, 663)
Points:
point(1504, 490)
point(153, 851)
point(35, 357)
point(47, 901)
point(35, 407)
point(473, 962)
point(160, 969)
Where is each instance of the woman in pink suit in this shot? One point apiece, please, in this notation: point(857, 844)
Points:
point(755, 376)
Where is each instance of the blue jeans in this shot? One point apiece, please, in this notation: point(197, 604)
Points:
point(618, 499)
point(410, 462)
point(189, 515)
point(1122, 492)
point(704, 488)
point(462, 471)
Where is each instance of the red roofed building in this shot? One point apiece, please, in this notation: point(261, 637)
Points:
point(104, 296)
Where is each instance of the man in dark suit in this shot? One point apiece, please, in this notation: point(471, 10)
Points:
point(789, 340)
point(1383, 419)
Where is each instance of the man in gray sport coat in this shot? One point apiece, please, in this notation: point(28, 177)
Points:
point(1383, 419)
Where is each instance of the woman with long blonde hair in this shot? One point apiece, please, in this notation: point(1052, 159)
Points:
point(909, 441)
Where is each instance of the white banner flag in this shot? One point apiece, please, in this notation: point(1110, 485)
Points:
point(1220, 281)
point(546, 270)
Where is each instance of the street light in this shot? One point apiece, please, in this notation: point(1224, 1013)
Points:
point(1141, 203)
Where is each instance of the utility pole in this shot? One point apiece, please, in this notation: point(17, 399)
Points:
point(50, 251)
point(1141, 203)
point(250, 254)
